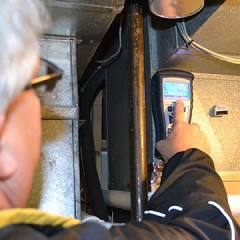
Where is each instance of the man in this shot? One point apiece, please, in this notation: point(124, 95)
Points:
point(190, 204)
point(19, 112)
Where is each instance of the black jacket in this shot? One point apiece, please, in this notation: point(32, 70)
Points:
point(191, 203)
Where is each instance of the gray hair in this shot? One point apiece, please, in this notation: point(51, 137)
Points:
point(21, 22)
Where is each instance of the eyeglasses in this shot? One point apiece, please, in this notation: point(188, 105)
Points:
point(48, 76)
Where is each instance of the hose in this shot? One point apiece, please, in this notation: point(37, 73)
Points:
point(89, 92)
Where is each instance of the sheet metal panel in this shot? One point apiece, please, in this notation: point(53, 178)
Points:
point(56, 187)
point(87, 20)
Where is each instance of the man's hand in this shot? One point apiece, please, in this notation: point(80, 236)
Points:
point(183, 136)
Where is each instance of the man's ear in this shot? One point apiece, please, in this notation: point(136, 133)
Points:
point(7, 164)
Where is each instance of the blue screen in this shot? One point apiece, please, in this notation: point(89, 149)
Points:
point(176, 90)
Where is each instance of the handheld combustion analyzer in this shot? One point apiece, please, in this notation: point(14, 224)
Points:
point(168, 86)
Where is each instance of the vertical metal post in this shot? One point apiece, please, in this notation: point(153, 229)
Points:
point(136, 67)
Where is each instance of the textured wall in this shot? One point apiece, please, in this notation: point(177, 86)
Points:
point(216, 82)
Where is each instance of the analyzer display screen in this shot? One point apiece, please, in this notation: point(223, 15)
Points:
point(176, 90)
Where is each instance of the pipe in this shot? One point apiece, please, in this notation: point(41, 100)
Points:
point(138, 166)
point(118, 199)
point(233, 200)
point(87, 146)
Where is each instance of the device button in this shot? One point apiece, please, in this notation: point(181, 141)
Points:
point(170, 109)
point(171, 118)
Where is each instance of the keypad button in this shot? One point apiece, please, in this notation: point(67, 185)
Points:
point(171, 118)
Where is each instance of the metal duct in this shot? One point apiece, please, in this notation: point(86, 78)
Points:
point(175, 8)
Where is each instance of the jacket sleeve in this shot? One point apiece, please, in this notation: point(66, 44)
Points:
point(192, 196)
point(191, 203)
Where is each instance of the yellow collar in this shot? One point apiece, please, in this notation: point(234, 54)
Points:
point(34, 216)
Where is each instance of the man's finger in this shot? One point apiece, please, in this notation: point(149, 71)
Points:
point(178, 112)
